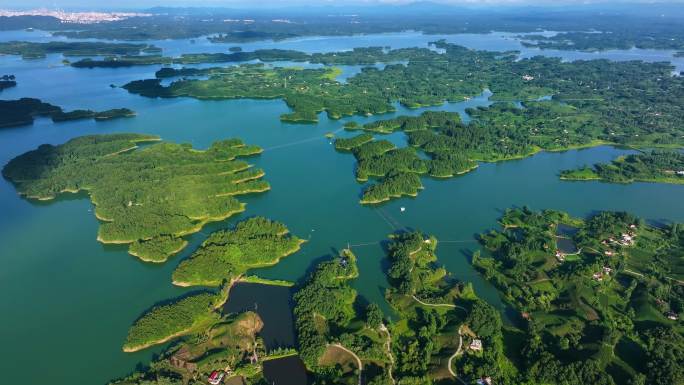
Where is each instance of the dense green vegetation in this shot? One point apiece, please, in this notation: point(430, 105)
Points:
point(302, 90)
point(167, 321)
point(398, 169)
point(227, 342)
point(7, 81)
point(648, 26)
point(148, 197)
point(357, 56)
point(656, 166)
point(592, 102)
point(265, 55)
point(227, 254)
point(88, 114)
point(623, 38)
point(619, 102)
point(157, 249)
point(432, 316)
point(30, 50)
point(439, 317)
point(324, 302)
point(592, 315)
point(247, 36)
point(349, 143)
point(395, 184)
point(23, 111)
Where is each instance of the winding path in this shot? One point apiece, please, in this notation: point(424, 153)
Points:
point(358, 360)
point(449, 305)
point(456, 354)
point(388, 347)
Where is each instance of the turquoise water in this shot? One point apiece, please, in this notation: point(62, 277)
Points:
point(66, 301)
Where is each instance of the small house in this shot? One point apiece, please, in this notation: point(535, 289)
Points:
point(476, 345)
point(216, 377)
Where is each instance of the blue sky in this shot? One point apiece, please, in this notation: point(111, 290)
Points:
point(90, 4)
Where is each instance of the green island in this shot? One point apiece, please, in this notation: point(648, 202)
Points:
point(22, 112)
point(227, 254)
point(598, 298)
point(502, 131)
point(604, 100)
point(189, 314)
point(207, 339)
point(248, 36)
point(622, 38)
point(227, 343)
point(209, 343)
point(343, 341)
point(266, 55)
point(655, 166)
point(646, 28)
point(357, 56)
point(593, 102)
point(146, 197)
point(30, 50)
point(7, 81)
point(438, 319)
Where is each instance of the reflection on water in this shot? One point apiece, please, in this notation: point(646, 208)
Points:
point(274, 306)
point(285, 371)
point(564, 234)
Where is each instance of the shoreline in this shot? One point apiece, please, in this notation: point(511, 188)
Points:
point(218, 305)
point(246, 269)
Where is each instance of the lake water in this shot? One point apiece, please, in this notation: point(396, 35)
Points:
point(285, 371)
point(274, 306)
point(66, 301)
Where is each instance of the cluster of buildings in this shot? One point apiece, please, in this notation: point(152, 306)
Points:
point(605, 272)
point(216, 377)
point(74, 17)
point(560, 256)
point(626, 239)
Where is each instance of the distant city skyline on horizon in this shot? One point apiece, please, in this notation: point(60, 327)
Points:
point(244, 4)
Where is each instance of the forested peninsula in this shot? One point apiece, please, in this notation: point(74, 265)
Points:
point(31, 50)
point(22, 112)
point(7, 81)
point(226, 254)
point(607, 96)
point(220, 261)
point(434, 318)
point(668, 38)
point(598, 298)
point(147, 197)
point(357, 56)
point(655, 166)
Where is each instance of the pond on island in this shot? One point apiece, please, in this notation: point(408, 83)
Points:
point(564, 234)
point(274, 306)
point(286, 371)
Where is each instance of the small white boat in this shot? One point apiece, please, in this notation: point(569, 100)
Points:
point(403, 209)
